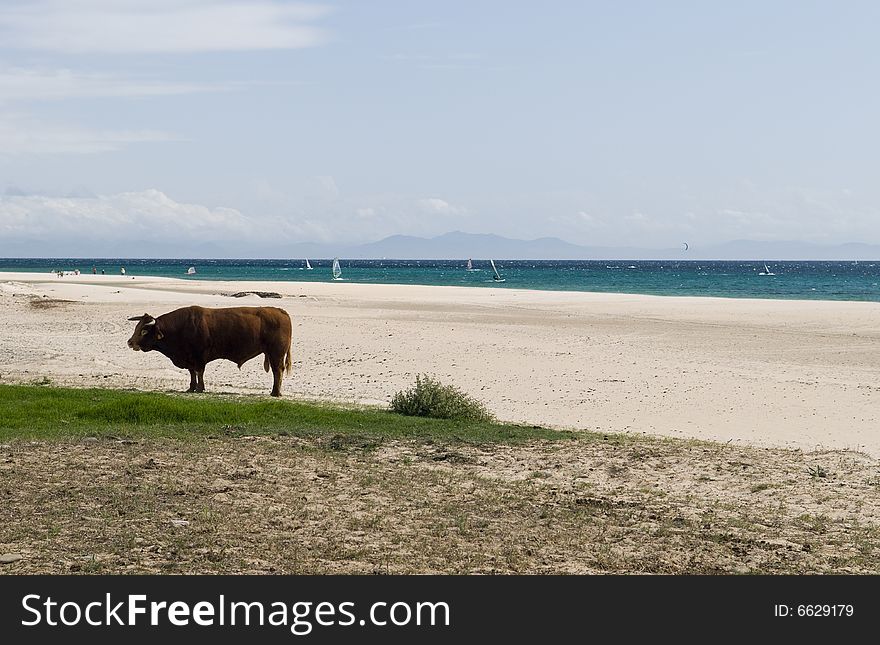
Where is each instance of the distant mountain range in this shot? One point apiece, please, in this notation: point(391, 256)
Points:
point(452, 246)
point(458, 245)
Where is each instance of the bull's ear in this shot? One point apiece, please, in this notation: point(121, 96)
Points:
point(159, 334)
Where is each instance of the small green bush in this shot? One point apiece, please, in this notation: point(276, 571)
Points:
point(430, 398)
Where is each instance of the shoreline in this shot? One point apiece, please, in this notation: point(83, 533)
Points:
point(766, 372)
point(200, 286)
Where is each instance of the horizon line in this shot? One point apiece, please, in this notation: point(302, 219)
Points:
point(446, 259)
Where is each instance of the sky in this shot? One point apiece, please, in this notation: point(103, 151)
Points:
point(251, 125)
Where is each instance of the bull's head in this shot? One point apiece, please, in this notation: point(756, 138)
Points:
point(145, 334)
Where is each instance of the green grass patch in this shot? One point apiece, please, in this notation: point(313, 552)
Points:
point(46, 412)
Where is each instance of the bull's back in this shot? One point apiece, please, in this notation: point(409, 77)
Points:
point(238, 332)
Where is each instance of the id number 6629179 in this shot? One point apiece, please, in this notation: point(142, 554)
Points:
point(814, 610)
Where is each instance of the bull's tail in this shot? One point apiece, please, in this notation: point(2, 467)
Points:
point(287, 362)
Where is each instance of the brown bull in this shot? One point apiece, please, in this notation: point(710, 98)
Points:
point(194, 336)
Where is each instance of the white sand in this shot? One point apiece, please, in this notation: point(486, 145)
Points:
point(800, 374)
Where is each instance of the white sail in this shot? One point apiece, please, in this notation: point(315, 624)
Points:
point(766, 270)
point(497, 277)
point(470, 265)
point(337, 270)
point(191, 271)
point(308, 265)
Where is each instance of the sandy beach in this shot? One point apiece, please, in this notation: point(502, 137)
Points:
point(794, 374)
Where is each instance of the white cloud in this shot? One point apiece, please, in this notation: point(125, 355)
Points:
point(21, 84)
point(143, 222)
point(327, 186)
point(636, 217)
point(159, 26)
point(440, 207)
point(147, 215)
point(587, 218)
point(22, 136)
point(323, 211)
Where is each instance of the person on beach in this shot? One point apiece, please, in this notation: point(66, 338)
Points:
point(122, 271)
point(94, 270)
point(102, 272)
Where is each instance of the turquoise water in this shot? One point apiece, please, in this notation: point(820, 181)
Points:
point(822, 280)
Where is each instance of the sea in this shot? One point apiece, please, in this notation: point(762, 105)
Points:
point(802, 280)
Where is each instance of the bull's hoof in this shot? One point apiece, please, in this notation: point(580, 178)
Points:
point(278, 394)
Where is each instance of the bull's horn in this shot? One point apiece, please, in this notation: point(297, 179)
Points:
point(145, 316)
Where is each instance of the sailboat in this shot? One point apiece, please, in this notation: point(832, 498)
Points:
point(497, 277)
point(337, 270)
point(308, 266)
point(191, 271)
point(766, 270)
point(470, 266)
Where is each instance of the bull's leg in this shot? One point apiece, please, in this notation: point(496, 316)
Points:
point(193, 381)
point(200, 374)
point(277, 363)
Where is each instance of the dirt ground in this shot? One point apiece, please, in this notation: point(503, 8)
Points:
point(239, 504)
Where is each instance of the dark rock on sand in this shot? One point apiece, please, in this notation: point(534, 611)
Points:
point(262, 294)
